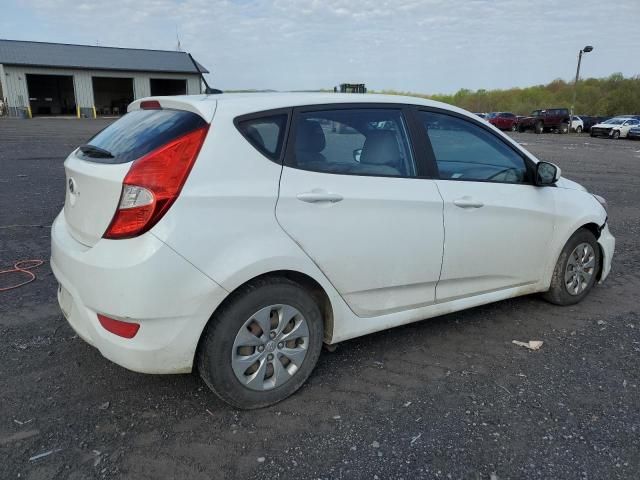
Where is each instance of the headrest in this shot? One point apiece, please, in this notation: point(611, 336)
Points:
point(381, 148)
point(310, 137)
point(254, 135)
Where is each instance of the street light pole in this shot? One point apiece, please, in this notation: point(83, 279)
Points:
point(586, 49)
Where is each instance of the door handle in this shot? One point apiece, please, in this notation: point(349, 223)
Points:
point(468, 202)
point(316, 197)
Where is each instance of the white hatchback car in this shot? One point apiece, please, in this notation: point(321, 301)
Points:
point(237, 233)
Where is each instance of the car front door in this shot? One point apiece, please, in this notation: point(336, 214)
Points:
point(351, 197)
point(628, 125)
point(497, 223)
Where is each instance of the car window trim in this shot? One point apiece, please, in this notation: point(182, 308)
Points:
point(529, 164)
point(237, 121)
point(404, 109)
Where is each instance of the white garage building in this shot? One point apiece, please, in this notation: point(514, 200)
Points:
point(85, 81)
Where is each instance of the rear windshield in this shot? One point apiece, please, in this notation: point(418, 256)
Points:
point(138, 133)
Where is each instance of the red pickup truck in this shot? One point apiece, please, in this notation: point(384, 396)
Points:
point(546, 120)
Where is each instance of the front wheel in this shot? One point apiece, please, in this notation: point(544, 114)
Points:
point(578, 129)
point(615, 135)
point(575, 272)
point(261, 346)
point(514, 127)
point(564, 128)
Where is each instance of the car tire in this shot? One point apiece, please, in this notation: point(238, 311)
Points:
point(514, 127)
point(564, 128)
point(578, 129)
point(539, 127)
point(521, 129)
point(220, 366)
point(615, 135)
point(572, 279)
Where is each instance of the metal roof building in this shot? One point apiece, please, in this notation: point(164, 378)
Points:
point(39, 78)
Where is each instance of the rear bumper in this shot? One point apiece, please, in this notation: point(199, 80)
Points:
point(607, 243)
point(140, 280)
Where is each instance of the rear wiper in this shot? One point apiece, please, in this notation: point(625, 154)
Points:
point(96, 152)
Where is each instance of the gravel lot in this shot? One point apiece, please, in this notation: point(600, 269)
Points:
point(446, 398)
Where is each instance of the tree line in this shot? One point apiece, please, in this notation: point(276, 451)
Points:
point(614, 95)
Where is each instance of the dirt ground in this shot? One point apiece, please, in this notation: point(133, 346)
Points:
point(445, 398)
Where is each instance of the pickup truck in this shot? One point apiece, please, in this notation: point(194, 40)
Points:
point(546, 120)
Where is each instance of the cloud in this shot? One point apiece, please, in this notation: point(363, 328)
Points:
point(418, 45)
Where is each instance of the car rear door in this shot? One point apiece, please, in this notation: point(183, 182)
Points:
point(351, 196)
point(497, 223)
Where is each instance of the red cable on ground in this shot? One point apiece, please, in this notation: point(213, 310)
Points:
point(23, 266)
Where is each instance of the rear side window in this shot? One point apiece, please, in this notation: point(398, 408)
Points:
point(138, 133)
point(367, 141)
point(266, 134)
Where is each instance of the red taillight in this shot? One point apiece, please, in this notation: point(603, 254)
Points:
point(152, 185)
point(118, 327)
point(150, 105)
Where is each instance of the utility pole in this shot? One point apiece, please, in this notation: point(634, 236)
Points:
point(586, 49)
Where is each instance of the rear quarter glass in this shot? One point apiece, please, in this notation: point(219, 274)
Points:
point(140, 132)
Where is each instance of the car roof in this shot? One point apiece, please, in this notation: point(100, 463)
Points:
point(236, 104)
point(243, 103)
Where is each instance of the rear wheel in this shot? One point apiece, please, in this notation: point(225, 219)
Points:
point(564, 128)
point(262, 345)
point(514, 127)
point(539, 127)
point(575, 272)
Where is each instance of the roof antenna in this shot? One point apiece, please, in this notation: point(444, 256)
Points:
point(178, 46)
point(207, 89)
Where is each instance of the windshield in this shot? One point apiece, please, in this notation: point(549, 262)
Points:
point(616, 121)
point(491, 115)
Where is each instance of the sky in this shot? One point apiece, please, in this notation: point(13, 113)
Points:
point(422, 46)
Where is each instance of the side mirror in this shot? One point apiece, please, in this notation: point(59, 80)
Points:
point(547, 174)
point(356, 154)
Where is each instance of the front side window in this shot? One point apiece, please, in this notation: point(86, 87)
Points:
point(465, 151)
point(358, 141)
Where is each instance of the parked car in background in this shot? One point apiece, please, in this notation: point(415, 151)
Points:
point(589, 121)
point(547, 120)
point(616, 127)
point(577, 124)
point(503, 120)
point(481, 115)
point(634, 133)
point(169, 260)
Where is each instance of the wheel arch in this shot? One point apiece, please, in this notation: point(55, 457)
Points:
point(311, 285)
point(590, 226)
